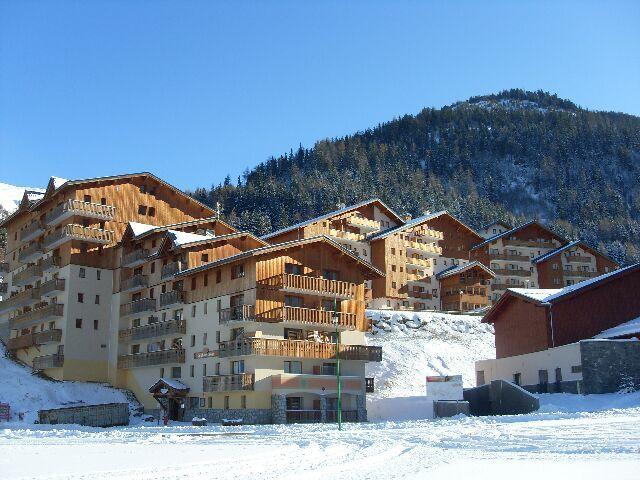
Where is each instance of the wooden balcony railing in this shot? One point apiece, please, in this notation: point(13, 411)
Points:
point(135, 258)
point(48, 361)
point(52, 287)
point(31, 231)
point(228, 383)
point(27, 276)
point(78, 232)
point(424, 248)
point(349, 236)
point(174, 297)
point(508, 272)
point(34, 339)
point(528, 243)
point(152, 330)
point(509, 258)
point(138, 306)
point(298, 349)
point(421, 295)
point(427, 234)
point(419, 262)
point(38, 315)
point(161, 357)
point(579, 274)
point(73, 208)
point(30, 253)
point(173, 268)
point(504, 286)
point(311, 316)
point(317, 286)
point(137, 282)
point(416, 277)
point(578, 259)
point(363, 223)
point(49, 263)
point(19, 300)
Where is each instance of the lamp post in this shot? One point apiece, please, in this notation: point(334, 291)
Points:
point(336, 319)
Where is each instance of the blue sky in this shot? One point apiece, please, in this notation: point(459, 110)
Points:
point(193, 90)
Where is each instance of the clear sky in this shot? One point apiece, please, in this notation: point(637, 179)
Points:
point(193, 90)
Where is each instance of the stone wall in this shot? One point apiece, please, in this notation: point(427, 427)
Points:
point(610, 365)
point(105, 415)
point(249, 416)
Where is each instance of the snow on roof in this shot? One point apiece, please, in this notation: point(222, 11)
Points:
point(409, 224)
point(140, 228)
point(537, 294)
point(327, 215)
point(183, 238)
point(550, 254)
point(631, 327)
point(171, 382)
point(454, 269)
point(58, 182)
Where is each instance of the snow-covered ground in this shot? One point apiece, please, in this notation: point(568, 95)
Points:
point(10, 196)
point(27, 394)
point(601, 440)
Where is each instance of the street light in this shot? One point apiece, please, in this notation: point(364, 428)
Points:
point(336, 320)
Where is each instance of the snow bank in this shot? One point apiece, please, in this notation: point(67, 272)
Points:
point(26, 393)
point(415, 345)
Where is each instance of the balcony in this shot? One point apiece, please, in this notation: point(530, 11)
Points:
point(52, 287)
point(426, 235)
point(31, 231)
point(161, 357)
point(138, 306)
point(71, 232)
point(153, 330)
point(316, 286)
point(286, 314)
point(39, 315)
point(418, 278)
point(508, 272)
point(421, 295)
point(528, 243)
point(297, 349)
point(509, 258)
point(48, 361)
point(4, 267)
point(30, 254)
point(135, 283)
point(347, 236)
point(504, 286)
point(34, 339)
point(76, 208)
point(316, 383)
point(578, 259)
point(172, 298)
point(419, 262)
point(228, 383)
point(171, 269)
point(238, 313)
point(135, 258)
point(4, 287)
point(19, 300)
point(27, 276)
point(423, 248)
point(363, 223)
point(579, 274)
point(49, 263)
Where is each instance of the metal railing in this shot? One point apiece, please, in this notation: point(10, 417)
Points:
point(152, 330)
point(18, 300)
point(55, 285)
point(173, 268)
point(48, 361)
point(27, 275)
point(297, 348)
point(228, 383)
point(172, 298)
point(49, 263)
point(32, 251)
point(31, 231)
point(237, 313)
point(135, 257)
point(34, 339)
point(37, 315)
point(161, 357)
point(138, 306)
point(134, 283)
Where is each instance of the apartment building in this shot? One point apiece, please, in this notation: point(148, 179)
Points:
point(247, 331)
point(465, 287)
point(411, 252)
point(61, 257)
point(521, 258)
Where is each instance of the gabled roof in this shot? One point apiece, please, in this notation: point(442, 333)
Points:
point(456, 269)
point(632, 327)
point(418, 221)
point(515, 229)
point(547, 297)
point(141, 230)
point(575, 243)
point(397, 217)
point(168, 384)
point(283, 246)
point(496, 222)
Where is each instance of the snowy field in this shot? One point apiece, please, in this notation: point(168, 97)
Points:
point(602, 439)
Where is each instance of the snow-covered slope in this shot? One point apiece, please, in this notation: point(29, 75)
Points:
point(26, 393)
point(10, 196)
point(415, 345)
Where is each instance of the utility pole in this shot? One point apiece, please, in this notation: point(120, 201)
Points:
point(336, 319)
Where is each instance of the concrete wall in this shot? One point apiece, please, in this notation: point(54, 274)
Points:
point(105, 415)
point(610, 365)
point(500, 398)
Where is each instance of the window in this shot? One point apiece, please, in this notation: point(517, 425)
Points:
point(543, 377)
point(218, 368)
point(218, 276)
point(480, 378)
point(293, 334)
point(558, 375)
point(243, 401)
point(292, 367)
point(95, 324)
point(393, 251)
point(153, 267)
point(192, 371)
point(293, 301)
point(576, 369)
point(210, 402)
point(393, 284)
point(80, 297)
point(135, 349)
point(204, 369)
point(194, 283)
point(237, 271)
point(226, 402)
point(217, 336)
point(219, 305)
point(204, 257)
point(176, 372)
point(135, 323)
point(206, 280)
point(517, 378)
point(202, 403)
point(98, 274)
point(330, 274)
point(161, 370)
point(237, 367)
point(393, 268)
point(293, 269)
point(87, 198)
point(205, 307)
point(83, 248)
point(204, 336)
point(97, 299)
point(294, 403)
point(152, 211)
point(82, 273)
point(193, 310)
point(193, 340)
point(78, 323)
point(142, 209)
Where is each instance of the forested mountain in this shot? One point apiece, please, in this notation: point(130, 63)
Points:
point(512, 156)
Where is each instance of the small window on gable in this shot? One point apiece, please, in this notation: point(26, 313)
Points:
point(237, 271)
point(142, 209)
point(152, 211)
point(218, 276)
